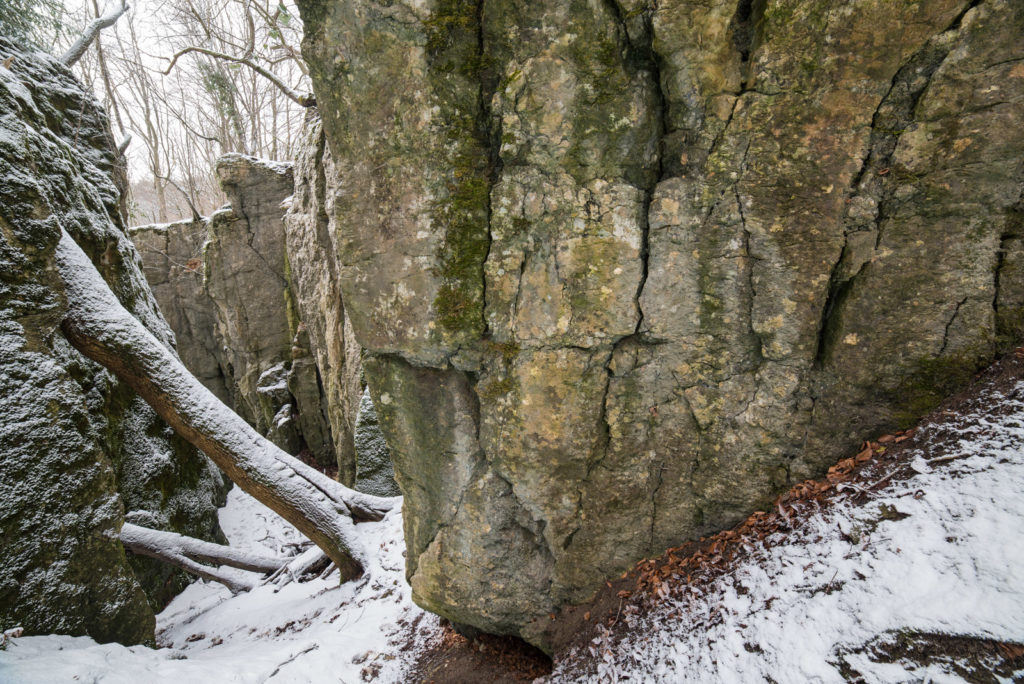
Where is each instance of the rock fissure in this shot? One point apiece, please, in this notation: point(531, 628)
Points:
point(873, 186)
point(949, 324)
point(997, 274)
point(251, 237)
point(743, 31)
point(492, 135)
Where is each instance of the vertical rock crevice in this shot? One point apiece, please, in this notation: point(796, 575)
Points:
point(875, 184)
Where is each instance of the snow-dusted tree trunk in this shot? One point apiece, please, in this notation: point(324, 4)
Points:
point(321, 508)
point(189, 554)
point(76, 51)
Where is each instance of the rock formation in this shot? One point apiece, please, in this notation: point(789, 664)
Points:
point(77, 448)
point(226, 287)
point(624, 270)
point(172, 258)
point(311, 238)
point(375, 473)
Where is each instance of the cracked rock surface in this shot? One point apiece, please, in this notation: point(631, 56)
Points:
point(226, 286)
point(624, 271)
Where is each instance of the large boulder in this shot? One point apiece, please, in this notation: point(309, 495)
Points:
point(77, 447)
point(625, 270)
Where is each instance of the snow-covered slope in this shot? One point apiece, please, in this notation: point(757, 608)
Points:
point(317, 631)
point(937, 555)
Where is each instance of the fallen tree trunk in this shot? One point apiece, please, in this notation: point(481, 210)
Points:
point(189, 554)
point(199, 550)
point(319, 507)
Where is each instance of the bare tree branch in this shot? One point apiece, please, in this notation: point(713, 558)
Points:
point(296, 97)
point(272, 21)
point(76, 51)
point(196, 216)
point(147, 542)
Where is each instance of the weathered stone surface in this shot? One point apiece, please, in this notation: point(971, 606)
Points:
point(245, 278)
point(624, 271)
point(172, 258)
point(227, 290)
point(77, 448)
point(374, 471)
point(311, 236)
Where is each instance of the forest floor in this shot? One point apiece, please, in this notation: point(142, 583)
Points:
point(903, 564)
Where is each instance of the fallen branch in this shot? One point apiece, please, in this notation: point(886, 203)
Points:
point(146, 542)
point(309, 564)
point(298, 98)
point(76, 51)
point(98, 326)
point(292, 659)
point(946, 459)
point(198, 550)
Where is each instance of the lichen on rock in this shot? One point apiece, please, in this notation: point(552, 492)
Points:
point(624, 271)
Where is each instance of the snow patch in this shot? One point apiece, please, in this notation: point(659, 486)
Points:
point(316, 631)
point(939, 553)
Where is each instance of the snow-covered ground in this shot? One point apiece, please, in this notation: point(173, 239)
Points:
point(940, 553)
point(317, 631)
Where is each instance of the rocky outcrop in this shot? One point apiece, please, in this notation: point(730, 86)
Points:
point(624, 270)
point(375, 473)
point(226, 286)
point(172, 258)
point(311, 238)
point(77, 448)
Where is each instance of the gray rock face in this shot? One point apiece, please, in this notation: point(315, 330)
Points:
point(226, 285)
point(172, 258)
point(77, 448)
point(245, 276)
point(623, 271)
point(311, 236)
point(253, 295)
point(374, 471)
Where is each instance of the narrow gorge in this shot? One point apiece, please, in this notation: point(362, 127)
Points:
point(580, 280)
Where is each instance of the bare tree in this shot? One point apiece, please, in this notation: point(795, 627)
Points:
point(303, 100)
point(78, 48)
point(237, 85)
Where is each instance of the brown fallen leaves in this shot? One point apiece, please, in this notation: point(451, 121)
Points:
point(683, 566)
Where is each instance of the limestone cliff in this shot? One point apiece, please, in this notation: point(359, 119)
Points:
point(252, 294)
point(172, 259)
point(311, 237)
point(78, 449)
point(225, 285)
point(624, 270)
